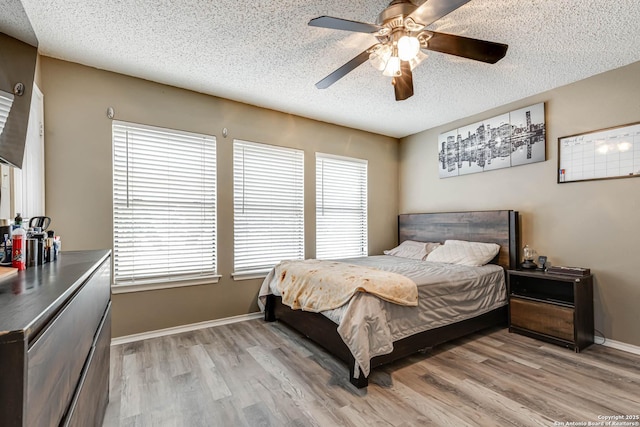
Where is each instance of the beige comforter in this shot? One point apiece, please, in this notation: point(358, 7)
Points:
point(315, 285)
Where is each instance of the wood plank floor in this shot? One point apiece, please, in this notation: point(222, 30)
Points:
point(263, 374)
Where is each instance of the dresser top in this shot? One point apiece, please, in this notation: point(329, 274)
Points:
point(33, 295)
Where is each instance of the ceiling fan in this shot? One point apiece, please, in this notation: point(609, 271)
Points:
point(402, 36)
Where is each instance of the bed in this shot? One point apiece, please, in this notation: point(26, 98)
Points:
point(500, 227)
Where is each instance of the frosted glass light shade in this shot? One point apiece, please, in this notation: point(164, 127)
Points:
point(380, 57)
point(393, 67)
point(416, 60)
point(408, 48)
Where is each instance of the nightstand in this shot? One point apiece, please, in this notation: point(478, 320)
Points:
point(551, 307)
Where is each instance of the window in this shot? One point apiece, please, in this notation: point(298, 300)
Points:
point(268, 206)
point(6, 101)
point(341, 207)
point(28, 182)
point(164, 205)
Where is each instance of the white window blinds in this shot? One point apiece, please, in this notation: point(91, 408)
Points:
point(164, 204)
point(268, 205)
point(341, 207)
point(6, 101)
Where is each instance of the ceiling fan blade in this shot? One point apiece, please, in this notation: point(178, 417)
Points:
point(403, 85)
point(344, 70)
point(465, 47)
point(432, 10)
point(344, 24)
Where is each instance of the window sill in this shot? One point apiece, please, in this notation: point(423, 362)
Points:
point(250, 275)
point(143, 287)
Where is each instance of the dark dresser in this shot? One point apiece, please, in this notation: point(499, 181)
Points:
point(55, 333)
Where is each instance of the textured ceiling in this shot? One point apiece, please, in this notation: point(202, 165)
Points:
point(15, 23)
point(263, 53)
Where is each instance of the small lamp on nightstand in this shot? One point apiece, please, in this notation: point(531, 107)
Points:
point(529, 255)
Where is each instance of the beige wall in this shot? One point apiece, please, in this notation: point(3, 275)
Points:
point(592, 224)
point(78, 177)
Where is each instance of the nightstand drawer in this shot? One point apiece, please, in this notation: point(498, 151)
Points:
point(549, 319)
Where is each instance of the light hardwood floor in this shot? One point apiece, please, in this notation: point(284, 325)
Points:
point(263, 374)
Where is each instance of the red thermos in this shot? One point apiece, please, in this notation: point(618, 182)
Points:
point(19, 248)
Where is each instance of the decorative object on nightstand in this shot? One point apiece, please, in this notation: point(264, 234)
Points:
point(569, 271)
point(557, 308)
point(542, 262)
point(529, 255)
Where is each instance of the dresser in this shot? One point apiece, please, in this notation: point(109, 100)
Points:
point(55, 333)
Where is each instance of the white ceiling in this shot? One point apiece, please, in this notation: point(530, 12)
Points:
point(263, 53)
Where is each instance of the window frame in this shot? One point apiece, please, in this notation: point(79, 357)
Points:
point(363, 172)
point(243, 270)
point(207, 272)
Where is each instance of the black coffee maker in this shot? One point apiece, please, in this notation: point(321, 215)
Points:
point(5, 229)
point(41, 222)
point(5, 250)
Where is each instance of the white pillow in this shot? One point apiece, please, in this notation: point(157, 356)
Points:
point(412, 250)
point(473, 254)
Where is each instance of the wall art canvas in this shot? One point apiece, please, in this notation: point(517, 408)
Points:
point(448, 143)
point(528, 135)
point(511, 139)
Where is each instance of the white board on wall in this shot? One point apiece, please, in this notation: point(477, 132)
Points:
point(604, 154)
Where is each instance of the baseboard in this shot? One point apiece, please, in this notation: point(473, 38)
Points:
point(629, 348)
point(619, 345)
point(184, 328)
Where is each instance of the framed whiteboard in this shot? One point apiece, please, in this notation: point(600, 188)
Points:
point(602, 154)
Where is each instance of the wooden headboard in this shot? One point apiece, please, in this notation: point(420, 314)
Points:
point(499, 227)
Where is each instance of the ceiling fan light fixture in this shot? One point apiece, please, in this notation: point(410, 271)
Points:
point(393, 67)
point(417, 60)
point(401, 36)
point(379, 57)
point(408, 47)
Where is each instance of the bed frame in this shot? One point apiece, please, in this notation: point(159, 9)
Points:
point(499, 227)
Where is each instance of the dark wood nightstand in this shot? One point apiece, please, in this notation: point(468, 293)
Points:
point(551, 307)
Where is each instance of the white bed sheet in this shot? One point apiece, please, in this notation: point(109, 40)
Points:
point(447, 293)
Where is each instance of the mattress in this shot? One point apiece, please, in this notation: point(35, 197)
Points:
point(447, 293)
